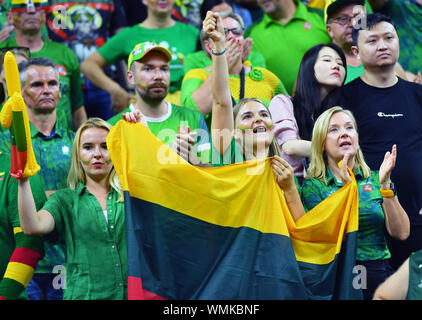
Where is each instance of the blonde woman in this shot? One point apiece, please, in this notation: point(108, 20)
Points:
point(335, 139)
point(88, 215)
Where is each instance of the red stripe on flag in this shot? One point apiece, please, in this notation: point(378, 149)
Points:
point(136, 292)
point(17, 162)
point(26, 256)
point(2, 298)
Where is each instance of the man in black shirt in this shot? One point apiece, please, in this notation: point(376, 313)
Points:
point(388, 111)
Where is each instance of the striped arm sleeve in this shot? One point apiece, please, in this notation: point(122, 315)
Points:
point(20, 269)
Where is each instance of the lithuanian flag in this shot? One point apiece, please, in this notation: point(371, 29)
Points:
point(226, 233)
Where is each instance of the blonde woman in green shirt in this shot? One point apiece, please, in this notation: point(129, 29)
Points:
point(89, 216)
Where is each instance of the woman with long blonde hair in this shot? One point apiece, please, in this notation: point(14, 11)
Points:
point(88, 216)
point(334, 140)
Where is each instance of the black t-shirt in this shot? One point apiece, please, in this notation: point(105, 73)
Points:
point(387, 116)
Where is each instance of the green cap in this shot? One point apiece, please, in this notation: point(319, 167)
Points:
point(142, 49)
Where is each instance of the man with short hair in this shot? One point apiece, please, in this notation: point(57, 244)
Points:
point(28, 18)
point(287, 30)
point(340, 17)
point(180, 128)
point(388, 111)
point(52, 143)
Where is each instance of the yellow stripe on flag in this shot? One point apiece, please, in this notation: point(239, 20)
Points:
point(19, 272)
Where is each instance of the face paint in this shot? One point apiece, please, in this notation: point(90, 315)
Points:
point(85, 162)
point(57, 96)
point(141, 86)
point(108, 161)
point(30, 95)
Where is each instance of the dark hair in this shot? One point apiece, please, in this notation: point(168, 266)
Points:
point(371, 21)
point(306, 99)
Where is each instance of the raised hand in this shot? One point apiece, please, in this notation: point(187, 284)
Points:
point(387, 166)
point(135, 116)
point(344, 174)
point(213, 27)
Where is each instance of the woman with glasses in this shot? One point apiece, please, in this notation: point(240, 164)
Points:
point(246, 80)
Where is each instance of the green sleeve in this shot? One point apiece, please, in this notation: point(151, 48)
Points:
point(113, 50)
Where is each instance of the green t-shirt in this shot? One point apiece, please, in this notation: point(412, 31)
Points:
point(199, 60)
point(372, 244)
point(232, 155)
point(180, 39)
point(96, 257)
point(9, 215)
point(167, 126)
point(283, 46)
point(69, 76)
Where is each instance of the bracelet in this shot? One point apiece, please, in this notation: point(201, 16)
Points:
point(387, 193)
point(218, 53)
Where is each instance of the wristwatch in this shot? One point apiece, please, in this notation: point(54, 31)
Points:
point(390, 193)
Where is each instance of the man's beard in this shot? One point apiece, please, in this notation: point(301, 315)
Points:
point(152, 97)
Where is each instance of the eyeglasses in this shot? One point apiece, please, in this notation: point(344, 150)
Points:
point(343, 20)
point(237, 32)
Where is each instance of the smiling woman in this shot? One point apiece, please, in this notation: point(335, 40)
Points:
point(88, 216)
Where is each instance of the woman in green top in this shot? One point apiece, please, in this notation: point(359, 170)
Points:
point(335, 139)
point(88, 215)
point(243, 133)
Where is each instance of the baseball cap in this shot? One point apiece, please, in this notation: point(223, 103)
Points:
point(332, 5)
point(142, 49)
point(28, 5)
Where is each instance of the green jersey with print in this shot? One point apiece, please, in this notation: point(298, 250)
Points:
point(180, 40)
point(372, 244)
point(69, 76)
point(9, 215)
point(167, 126)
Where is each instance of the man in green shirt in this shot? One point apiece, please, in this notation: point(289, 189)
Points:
point(179, 38)
point(28, 22)
point(287, 30)
point(180, 128)
point(52, 144)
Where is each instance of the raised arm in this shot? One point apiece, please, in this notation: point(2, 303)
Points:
point(32, 222)
point(396, 219)
point(222, 123)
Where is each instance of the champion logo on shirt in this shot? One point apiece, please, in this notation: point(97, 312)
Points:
point(61, 70)
point(367, 187)
point(386, 115)
point(1, 175)
point(307, 25)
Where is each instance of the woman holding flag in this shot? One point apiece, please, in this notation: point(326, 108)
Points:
point(335, 139)
point(88, 215)
point(245, 132)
